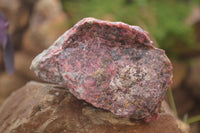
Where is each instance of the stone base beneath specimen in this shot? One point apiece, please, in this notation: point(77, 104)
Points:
point(46, 108)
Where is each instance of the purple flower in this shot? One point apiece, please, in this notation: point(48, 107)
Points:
point(5, 40)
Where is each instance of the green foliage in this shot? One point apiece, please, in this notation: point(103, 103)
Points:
point(171, 100)
point(171, 28)
point(164, 19)
point(193, 119)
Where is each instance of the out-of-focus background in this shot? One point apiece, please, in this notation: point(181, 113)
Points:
point(173, 25)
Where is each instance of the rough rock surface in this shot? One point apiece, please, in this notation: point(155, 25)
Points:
point(111, 65)
point(45, 108)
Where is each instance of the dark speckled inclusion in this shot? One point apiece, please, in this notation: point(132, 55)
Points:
point(111, 65)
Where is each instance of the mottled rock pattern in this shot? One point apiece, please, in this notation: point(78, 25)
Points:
point(111, 65)
point(46, 108)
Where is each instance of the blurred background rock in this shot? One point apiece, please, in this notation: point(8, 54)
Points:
point(173, 25)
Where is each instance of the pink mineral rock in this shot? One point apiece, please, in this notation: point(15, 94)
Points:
point(112, 65)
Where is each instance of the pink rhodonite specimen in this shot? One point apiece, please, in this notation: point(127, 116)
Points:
point(111, 65)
